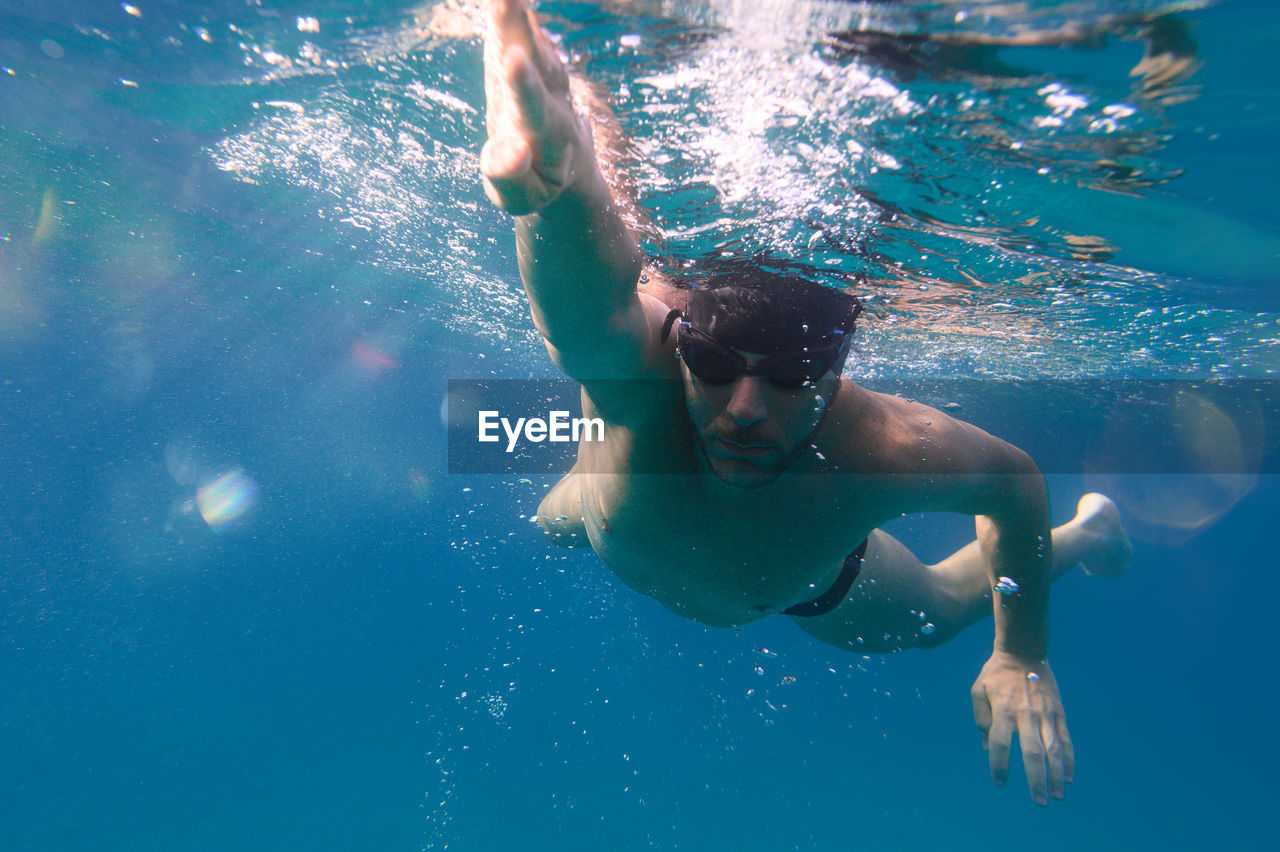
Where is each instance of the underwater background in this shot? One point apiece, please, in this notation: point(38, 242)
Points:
point(243, 248)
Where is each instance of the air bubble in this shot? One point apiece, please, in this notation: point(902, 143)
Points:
point(1006, 586)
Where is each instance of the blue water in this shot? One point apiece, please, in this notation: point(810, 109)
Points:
point(245, 241)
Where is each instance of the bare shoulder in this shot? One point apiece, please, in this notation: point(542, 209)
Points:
point(655, 389)
point(878, 432)
point(660, 343)
point(907, 457)
point(866, 429)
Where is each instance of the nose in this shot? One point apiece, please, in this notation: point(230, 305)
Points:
point(747, 404)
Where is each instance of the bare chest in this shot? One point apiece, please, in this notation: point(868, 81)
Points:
point(721, 562)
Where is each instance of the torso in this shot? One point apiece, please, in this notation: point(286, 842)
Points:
point(711, 552)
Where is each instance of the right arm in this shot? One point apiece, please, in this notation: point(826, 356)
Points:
point(578, 259)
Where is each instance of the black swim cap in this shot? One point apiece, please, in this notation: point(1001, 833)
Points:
point(764, 311)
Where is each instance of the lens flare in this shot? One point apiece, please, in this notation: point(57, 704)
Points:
point(228, 498)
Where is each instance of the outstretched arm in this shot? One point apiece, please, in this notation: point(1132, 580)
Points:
point(578, 259)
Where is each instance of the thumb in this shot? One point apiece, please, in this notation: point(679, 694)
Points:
point(504, 158)
point(981, 710)
point(506, 162)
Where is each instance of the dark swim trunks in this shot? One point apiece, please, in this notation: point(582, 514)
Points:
point(835, 594)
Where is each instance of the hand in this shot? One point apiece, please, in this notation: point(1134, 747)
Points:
point(537, 144)
point(1011, 692)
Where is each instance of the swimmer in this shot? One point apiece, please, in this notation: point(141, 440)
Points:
point(741, 476)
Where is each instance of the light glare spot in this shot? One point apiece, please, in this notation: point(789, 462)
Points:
point(227, 498)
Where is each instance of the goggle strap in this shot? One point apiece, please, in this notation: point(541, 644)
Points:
point(675, 314)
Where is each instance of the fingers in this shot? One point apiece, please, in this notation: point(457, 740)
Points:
point(1055, 757)
point(998, 746)
point(531, 125)
point(1068, 751)
point(514, 25)
point(508, 154)
point(526, 85)
point(1008, 697)
point(1034, 756)
point(1047, 755)
point(524, 160)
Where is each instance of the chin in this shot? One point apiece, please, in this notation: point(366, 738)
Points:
point(740, 474)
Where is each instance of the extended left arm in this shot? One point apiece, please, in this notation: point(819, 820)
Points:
point(1015, 539)
point(973, 472)
point(1016, 689)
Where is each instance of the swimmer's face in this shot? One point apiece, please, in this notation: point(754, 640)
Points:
point(748, 429)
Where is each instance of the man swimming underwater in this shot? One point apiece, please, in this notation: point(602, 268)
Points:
point(775, 469)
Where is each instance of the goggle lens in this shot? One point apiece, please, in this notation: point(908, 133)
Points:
point(715, 364)
point(711, 363)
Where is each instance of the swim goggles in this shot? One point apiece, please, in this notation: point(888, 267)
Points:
point(715, 363)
